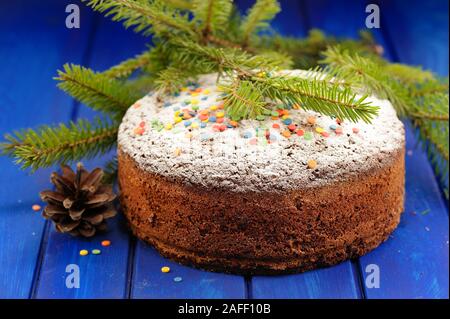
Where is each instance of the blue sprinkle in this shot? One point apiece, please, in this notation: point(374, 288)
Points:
point(287, 121)
point(187, 123)
point(192, 113)
point(202, 125)
point(176, 108)
point(167, 104)
point(229, 125)
point(212, 118)
point(177, 279)
point(247, 134)
point(180, 114)
point(272, 137)
point(204, 98)
point(333, 127)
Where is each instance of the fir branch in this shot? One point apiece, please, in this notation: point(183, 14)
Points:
point(127, 67)
point(51, 145)
point(146, 16)
point(211, 15)
point(96, 90)
point(183, 5)
point(317, 95)
point(258, 18)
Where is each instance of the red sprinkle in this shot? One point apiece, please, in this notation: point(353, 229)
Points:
point(222, 127)
point(203, 117)
point(300, 132)
point(355, 130)
point(276, 125)
point(292, 127)
point(338, 130)
point(220, 120)
point(142, 124)
point(325, 134)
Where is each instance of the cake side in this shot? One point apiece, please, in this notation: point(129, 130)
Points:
point(263, 233)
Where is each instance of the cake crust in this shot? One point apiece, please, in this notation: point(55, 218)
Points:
point(263, 233)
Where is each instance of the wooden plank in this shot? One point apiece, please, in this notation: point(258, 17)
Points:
point(414, 263)
point(34, 44)
point(149, 282)
point(105, 275)
point(340, 281)
point(416, 258)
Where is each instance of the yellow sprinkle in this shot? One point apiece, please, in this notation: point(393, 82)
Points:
point(319, 130)
point(194, 94)
point(168, 126)
point(207, 91)
point(83, 252)
point(286, 116)
point(213, 107)
point(194, 125)
point(220, 114)
point(312, 164)
point(177, 113)
point(194, 101)
point(177, 151)
point(177, 119)
point(165, 269)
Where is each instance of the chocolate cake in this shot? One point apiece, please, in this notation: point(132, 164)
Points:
point(289, 191)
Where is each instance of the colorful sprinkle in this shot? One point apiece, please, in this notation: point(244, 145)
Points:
point(96, 251)
point(287, 121)
point(312, 164)
point(84, 252)
point(292, 127)
point(286, 134)
point(187, 123)
point(338, 130)
point(308, 136)
point(178, 279)
point(355, 130)
point(106, 243)
point(319, 130)
point(247, 134)
point(139, 130)
point(36, 207)
point(311, 120)
point(333, 127)
point(260, 117)
point(276, 126)
point(142, 124)
point(213, 119)
point(168, 126)
point(325, 134)
point(136, 105)
point(177, 151)
point(165, 269)
point(300, 132)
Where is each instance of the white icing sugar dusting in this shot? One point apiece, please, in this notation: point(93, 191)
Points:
point(254, 156)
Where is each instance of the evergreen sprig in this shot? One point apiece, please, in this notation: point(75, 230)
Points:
point(47, 145)
point(258, 18)
point(97, 90)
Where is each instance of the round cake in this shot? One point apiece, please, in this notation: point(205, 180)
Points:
point(289, 191)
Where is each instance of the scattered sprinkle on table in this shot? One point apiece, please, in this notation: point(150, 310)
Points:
point(312, 164)
point(84, 252)
point(106, 243)
point(165, 269)
point(96, 251)
point(36, 207)
point(177, 279)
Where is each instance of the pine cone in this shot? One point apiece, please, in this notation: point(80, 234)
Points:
point(80, 204)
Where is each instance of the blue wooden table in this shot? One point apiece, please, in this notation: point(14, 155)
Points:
point(34, 43)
